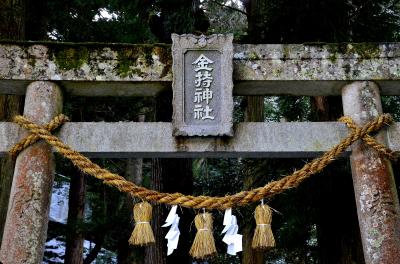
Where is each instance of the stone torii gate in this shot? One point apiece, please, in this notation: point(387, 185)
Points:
point(360, 73)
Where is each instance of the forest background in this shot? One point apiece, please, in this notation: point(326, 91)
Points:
point(91, 223)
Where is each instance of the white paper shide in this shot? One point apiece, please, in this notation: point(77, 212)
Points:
point(173, 233)
point(231, 238)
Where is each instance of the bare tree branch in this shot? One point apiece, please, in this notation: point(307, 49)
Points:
point(229, 7)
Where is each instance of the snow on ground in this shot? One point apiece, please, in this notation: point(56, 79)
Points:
point(55, 250)
point(59, 203)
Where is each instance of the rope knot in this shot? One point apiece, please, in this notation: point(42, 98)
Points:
point(55, 123)
point(372, 126)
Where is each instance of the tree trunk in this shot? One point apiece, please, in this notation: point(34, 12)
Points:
point(156, 252)
point(172, 175)
point(134, 173)
point(76, 206)
point(169, 175)
point(178, 177)
point(36, 20)
point(337, 225)
point(12, 19)
point(254, 112)
point(95, 251)
point(10, 105)
point(257, 19)
point(134, 169)
point(12, 26)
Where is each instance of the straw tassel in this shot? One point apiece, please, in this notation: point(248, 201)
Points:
point(203, 244)
point(263, 237)
point(142, 234)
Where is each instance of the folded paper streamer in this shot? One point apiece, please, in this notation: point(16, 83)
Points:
point(173, 233)
point(203, 245)
point(142, 233)
point(263, 237)
point(231, 238)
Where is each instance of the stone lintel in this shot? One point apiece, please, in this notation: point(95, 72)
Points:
point(92, 69)
point(272, 140)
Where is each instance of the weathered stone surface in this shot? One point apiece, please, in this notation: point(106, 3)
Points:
point(128, 139)
point(25, 229)
point(202, 85)
point(145, 70)
point(377, 202)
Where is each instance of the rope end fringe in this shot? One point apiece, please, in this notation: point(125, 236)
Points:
point(142, 234)
point(263, 237)
point(203, 245)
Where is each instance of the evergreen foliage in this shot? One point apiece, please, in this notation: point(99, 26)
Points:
point(270, 21)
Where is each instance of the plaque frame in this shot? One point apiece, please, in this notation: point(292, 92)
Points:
point(221, 43)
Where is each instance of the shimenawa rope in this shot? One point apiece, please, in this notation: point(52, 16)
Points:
point(239, 199)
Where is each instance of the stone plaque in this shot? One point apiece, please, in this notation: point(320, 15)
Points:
point(202, 85)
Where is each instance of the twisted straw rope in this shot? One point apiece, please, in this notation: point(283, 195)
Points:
point(239, 199)
point(370, 141)
point(32, 138)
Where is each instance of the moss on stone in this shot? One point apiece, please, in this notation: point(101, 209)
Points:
point(276, 72)
point(335, 48)
point(164, 53)
point(347, 70)
point(71, 58)
point(308, 73)
point(127, 57)
point(332, 57)
point(165, 56)
point(148, 54)
point(136, 71)
point(253, 56)
point(364, 50)
point(32, 61)
point(315, 44)
point(286, 53)
point(70, 55)
point(123, 69)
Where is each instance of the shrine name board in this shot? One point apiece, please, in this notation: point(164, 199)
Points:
point(202, 85)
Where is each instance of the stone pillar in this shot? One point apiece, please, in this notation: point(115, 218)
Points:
point(374, 186)
point(28, 209)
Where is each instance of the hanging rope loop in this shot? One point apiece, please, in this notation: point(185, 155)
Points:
point(197, 202)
